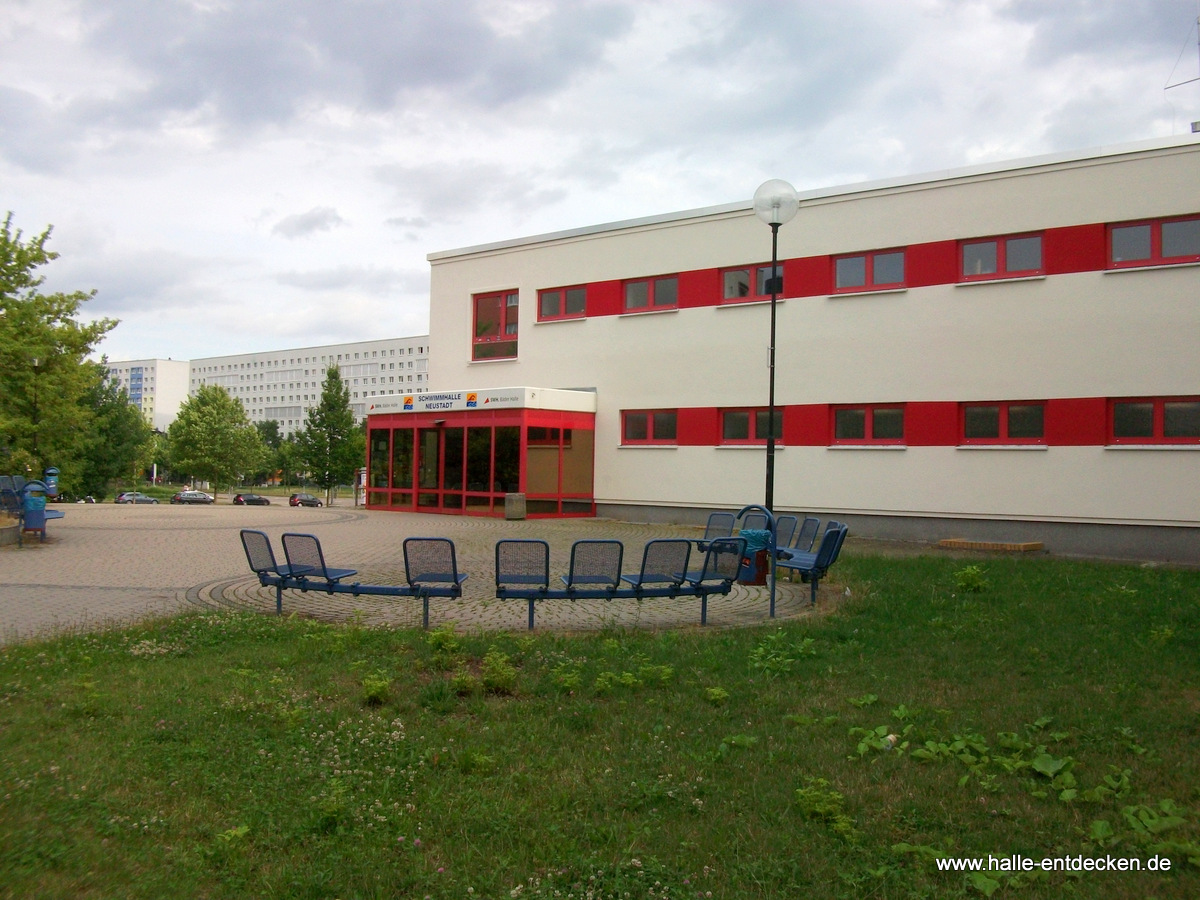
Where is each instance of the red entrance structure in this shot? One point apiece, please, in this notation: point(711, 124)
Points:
point(468, 452)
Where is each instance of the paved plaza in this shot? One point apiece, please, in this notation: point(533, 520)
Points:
point(109, 564)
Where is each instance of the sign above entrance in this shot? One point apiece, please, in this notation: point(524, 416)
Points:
point(493, 398)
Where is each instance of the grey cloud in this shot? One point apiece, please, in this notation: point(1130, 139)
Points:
point(320, 218)
point(264, 62)
point(450, 191)
point(359, 278)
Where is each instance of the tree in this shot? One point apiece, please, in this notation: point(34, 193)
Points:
point(46, 380)
point(331, 445)
point(211, 439)
point(120, 443)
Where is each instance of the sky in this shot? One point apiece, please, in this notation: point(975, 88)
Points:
point(235, 176)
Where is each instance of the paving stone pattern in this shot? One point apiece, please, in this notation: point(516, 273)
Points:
point(109, 564)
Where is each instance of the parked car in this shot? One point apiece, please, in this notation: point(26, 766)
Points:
point(303, 500)
point(134, 497)
point(192, 497)
point(251, 500)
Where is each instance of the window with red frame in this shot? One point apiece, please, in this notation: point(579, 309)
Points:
point(869, 271)
point(652, 293)
point(648, 426)
point(1003, 257)
point(749, 426)
point(868, 425)
point(1016, 422)
point(1154, 243)
point(750, 283)
point(1155, 420)
point(562, 303)
point(495, 324)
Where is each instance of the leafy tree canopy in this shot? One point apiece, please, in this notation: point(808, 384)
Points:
point(331, 445)
point(47, 384)
point(212, 439)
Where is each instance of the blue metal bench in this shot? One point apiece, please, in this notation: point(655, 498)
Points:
point(431, 569)
point(523, 572)
point(812, 567)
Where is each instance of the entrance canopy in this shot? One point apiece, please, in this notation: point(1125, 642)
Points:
point(462, 452)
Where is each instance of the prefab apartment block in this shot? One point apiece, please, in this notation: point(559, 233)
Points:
point(1006, 352)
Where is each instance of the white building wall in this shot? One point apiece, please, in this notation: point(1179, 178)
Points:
point(157, 387)
point(1089, 334)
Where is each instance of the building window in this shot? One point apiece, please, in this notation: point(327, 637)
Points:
point(648, 426)
point(495, 326)
point(1154, 243)
point(652, 293)
point(1003, 423)
point(1160, 420)
point(1007, 257)
point(750, 283)
point(868, 425)
point(562, 303)
point(869, 271)
point(749, 426)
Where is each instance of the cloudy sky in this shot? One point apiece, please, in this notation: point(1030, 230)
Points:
point(242, 175)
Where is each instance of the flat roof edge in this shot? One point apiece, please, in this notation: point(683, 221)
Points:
point(1031, 162)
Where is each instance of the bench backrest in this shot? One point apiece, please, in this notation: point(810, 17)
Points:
point(806, 536)
point(431, 561)
point(720, 525)
point(665, 561)
point(831, 545)
point(524, 563)
point(303, 552)
point(785, 530)
point(722, 560)
point(259, 553)
point(754, 521)
point(596, 564)
point(11, 502)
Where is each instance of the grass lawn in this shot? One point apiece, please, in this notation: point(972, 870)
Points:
point(948, 708)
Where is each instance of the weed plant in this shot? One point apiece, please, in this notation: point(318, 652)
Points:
point(1031, 707)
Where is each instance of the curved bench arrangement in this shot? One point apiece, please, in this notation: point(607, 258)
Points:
point(523, 568)
point(523, 571)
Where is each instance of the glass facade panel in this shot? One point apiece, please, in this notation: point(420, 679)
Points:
point(850, 424)
point(1023, 254)
point(576, 303)
point(664, 426)
point(508, 459)
point(637, 294)
point(851, 272)
point(1181, 419)
point(981, 422)
point(764, 280)
point(402, 456)
point(1133, 420)
point(979, 259)
point(666, 292)
point(887, 424)
point(1026, 421)
point(1181, 238)
point(637, 426)
point(889, 268)
point(737, 284)
point(378, 463)
point(735, 426)
point(1130, 243)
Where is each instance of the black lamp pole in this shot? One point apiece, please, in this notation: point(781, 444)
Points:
point(770, 491)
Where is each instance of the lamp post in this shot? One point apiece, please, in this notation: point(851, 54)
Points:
point(776, 203)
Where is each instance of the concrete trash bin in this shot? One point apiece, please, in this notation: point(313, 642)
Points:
point(514, 506)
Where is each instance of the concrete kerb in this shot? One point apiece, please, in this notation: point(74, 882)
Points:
point(106, 564)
